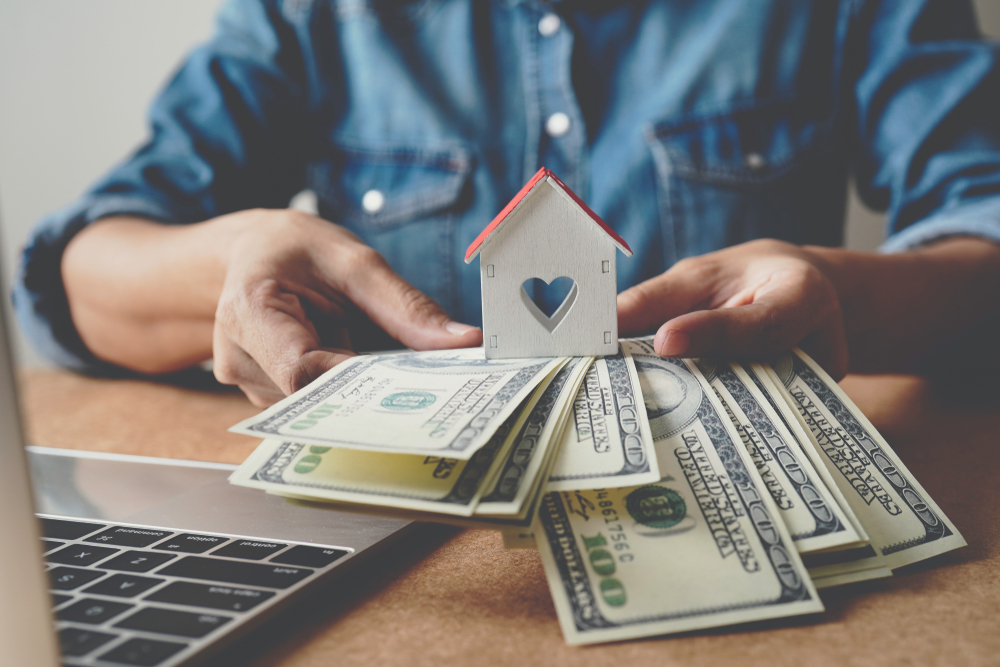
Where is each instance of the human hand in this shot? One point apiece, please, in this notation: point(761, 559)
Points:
point(263, 340)
point(751, 301)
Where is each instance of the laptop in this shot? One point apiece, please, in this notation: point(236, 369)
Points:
point(128, 560)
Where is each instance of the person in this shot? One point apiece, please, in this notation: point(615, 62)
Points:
point(716, 136)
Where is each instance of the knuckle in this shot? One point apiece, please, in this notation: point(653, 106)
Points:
point(225, 370)
point(769, 246)
point(418, 305)
point(258, 298)
point(701, 269)
point(637, 297)
point(295, 375)
point(689, 264)
point(358, 256)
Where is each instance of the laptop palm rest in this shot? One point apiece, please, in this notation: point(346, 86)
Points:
point(189, 496)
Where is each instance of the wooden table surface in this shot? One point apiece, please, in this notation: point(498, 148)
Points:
point(449, 597)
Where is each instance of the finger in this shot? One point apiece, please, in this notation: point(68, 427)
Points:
point(403, 311)
point(233, 366)
point(267, 329)
point(312, 365)
point(288, 351)
point(771, 324)
point(686, 286)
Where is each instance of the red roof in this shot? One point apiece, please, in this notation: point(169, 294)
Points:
point(540, 176)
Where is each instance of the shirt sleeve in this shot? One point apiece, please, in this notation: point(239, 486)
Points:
point(928, 103)
point(228, 133)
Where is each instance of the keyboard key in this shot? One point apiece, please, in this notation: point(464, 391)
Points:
point(309, 556)
point(249, 549)
point(49, 545)
point(190, 543)
point(80, 554)
point(68, 578)
point(137, 561)
point(58, 599)
point(68, 530)
point(124, 585)
point(142, 652)
point(92, 610)
point(129, 537)
point(227, 598)
point(232, 572)
point(170, 622)
point(77, 641)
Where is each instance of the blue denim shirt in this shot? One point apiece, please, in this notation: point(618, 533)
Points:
point(691, 126)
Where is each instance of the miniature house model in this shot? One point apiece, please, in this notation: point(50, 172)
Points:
point(547, 233)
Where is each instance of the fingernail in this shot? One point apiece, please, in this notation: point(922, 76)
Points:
point(458, 329)
point(676, 344)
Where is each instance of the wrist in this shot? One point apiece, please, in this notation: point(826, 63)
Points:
point(898, 306)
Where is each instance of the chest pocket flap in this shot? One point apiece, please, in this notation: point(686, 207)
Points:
point(755, 145)
point(384, 188)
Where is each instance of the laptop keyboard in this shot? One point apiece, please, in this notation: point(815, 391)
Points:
point(133, 595)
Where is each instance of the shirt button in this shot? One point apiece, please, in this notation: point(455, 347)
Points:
point(557, 124)
point(549, 25)
point(755, 161)
point(373, 201)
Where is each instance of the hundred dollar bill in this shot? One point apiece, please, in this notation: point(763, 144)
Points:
point(904, 524)
point(812, 512)
point(534, 443)
point(517, 538)
point(357, 476)
point(504, 469)
point(701, 547)
point(608, 443)
point(840, 565)
point(446, 403)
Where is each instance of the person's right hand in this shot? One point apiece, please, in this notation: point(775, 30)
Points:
point(263, 341)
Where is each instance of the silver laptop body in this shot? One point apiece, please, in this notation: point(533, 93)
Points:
point(149, 561)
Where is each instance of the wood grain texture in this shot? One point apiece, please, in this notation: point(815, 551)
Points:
point(457, 598)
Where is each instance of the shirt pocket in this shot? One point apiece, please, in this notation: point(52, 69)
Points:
point(380, 189)
point(764, 170)
point(404, 202)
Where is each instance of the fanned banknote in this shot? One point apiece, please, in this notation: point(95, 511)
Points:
point(447, 403)
point(902, 521)
point(836, 566)
point(817, 517)
point(501, 479)
point(608, 442)
point(533, 448)
point(702, 547)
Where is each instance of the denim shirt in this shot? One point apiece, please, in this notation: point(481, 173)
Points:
point(687, 125)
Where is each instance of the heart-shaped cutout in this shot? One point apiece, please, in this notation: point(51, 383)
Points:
point(549, 303)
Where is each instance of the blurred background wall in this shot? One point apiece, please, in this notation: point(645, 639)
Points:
point(76, 78)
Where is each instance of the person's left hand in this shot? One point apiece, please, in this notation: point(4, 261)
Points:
point(749, 302)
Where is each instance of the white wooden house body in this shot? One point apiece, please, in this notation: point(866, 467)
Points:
point(548, 234)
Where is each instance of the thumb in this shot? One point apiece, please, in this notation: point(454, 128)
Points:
point(406, 313)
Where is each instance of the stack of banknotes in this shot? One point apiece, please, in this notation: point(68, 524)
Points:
point(663, 495)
